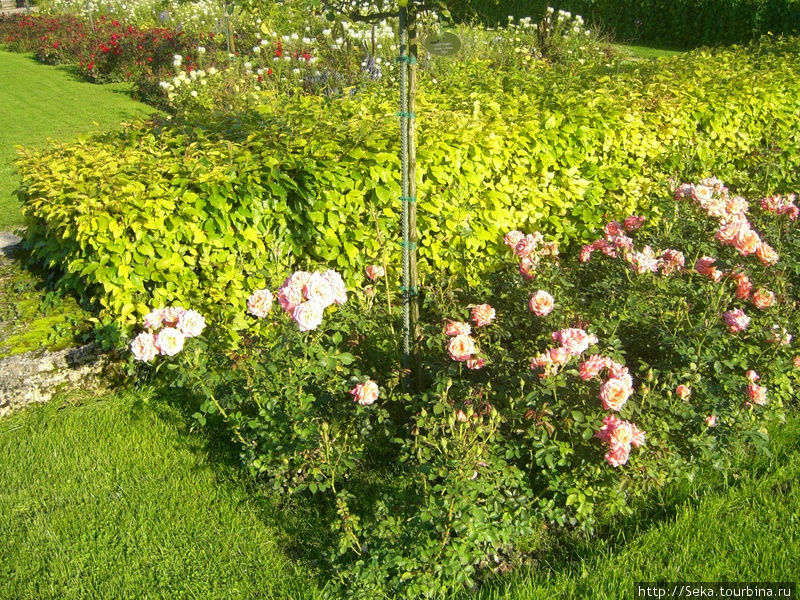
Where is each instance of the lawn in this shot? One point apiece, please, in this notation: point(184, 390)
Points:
point(40, 103)
point(115, 497)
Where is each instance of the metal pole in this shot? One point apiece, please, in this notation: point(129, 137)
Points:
point(404, 118)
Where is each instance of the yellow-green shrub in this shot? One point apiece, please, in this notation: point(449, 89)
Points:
point(204, 215)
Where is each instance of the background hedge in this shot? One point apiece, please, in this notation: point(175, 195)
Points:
point(669, 23)
point(204, 214)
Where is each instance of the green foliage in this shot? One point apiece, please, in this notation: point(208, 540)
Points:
point(204, 215)
point(682, 23)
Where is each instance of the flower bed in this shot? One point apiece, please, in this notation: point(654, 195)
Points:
point(560, 391)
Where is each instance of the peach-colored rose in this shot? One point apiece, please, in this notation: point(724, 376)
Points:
point(574, 340)
point(143, 347)
point(541, 303)
point(701, 193)
point(683, 392)
point(711, 421)
point(752, 376)
point(461, 347)
point(318, 289)
point(259, 303)
point(617, 371)
point(169, 341)
point(762, 298)
point(767, 254)
point(736, 206)
point(541, 360)
point(618, 455)
point(622, 435)
point(743, 286)
point(558, 356)
point(726, 234)
point(191, 323)
point(610, 423)
point(704, 264)
point(637, 436)
point(374, 271)
point(461, 416)
point(796, 362)
point(476, 363)
point(512, 238)
point(307, 315)
point(365, 393)
point(482, 315)
point(614, 393)
point(747, 241)
point(457, 328)
point(757, 394)
point(527, 268)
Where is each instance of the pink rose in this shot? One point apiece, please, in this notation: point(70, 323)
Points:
point(743, 286)
point(575, 341)
point(701, 193)
point(617, 371)
point(526, 246)
point(512, 238)
point(365, 393)
point(671, 261)
point(482, 315)
point(610, 423)
point(543, 360)
point(586, 253)
point(613, 229)
point(796, 362)
point(289, 297)
point(318, 289)
point(527, 268)
point(614, 393)
point(592, 366)
point(736, 320)
point(337, 285)
point(461, 348)
point(683, 392)
point(711, 421)
point(457, 328)
point(307, 315)
point(374, 271)
point(621, 435)
point(259, 303)
point(633, 223)
point(297, 279)
point(143, 347)
point(752, 376)
point(617, 455)
point(703, 265)
point(541, 303)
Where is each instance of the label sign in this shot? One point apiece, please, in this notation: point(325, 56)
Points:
point(442, 44)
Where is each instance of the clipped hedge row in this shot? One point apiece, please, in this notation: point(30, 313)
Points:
point(203, 216)
point(674, 23)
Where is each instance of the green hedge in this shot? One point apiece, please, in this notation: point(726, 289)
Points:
point(203, 216)
point(672, 23)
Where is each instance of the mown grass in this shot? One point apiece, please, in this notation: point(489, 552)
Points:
point(114, 497)
point(41, 102)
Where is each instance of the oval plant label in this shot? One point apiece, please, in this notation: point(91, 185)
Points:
point(442, 44)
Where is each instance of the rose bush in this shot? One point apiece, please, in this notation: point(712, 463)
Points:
point(632, 379)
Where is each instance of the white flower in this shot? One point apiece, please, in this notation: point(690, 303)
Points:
point(201, 50)
point(169, 341)
point(212, 70)
point(191, 323)
point(194, 93)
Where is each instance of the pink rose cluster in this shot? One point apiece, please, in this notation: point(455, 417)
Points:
point(780, 205)
point(731, 212)
point(167, 329)
point(530, 249)
point(572, 342)
point(304, 296)
point(619, 435)
point(616, 242)
point(736, 320)
point(462, 346)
